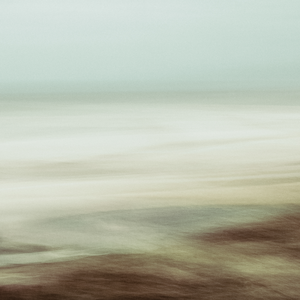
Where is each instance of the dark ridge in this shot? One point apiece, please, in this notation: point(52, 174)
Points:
point(128, 285)
point(7, 247)
point(283, 230)
point(279, 236)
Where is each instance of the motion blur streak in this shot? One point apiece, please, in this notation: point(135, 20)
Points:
point(149, 196)
point(149, 149)
point(120, 151)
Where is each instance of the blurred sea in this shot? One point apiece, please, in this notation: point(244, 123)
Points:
point(65, 156)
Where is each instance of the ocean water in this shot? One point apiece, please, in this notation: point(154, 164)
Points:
point(89, 153)
point(64, 156)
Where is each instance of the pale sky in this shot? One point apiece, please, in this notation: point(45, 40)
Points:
point(189, 44)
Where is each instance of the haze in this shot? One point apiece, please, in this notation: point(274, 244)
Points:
point(139, 127)
point(149, 45)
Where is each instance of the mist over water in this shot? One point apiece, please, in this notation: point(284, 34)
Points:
point(86, 153)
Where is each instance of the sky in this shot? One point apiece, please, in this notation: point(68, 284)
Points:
point(157, 44)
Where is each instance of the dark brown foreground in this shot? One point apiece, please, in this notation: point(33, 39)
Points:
point(257, 261)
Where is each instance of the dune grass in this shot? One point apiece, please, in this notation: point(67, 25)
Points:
point(253, 261)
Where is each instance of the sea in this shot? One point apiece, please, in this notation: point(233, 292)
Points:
point(95, 173)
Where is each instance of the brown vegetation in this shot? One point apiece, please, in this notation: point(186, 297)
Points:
point(258, 261)
point(278, 236)
point(113, 280)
